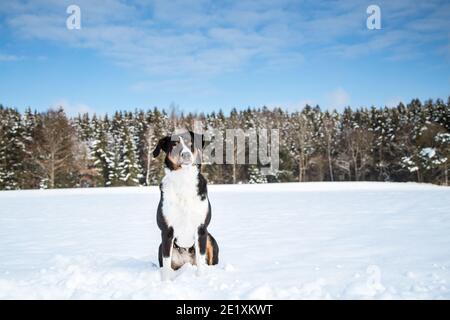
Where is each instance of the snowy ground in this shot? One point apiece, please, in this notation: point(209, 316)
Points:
point(311, 240)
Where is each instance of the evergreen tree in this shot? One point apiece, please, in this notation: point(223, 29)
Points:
point(99, 153)
point(255, 175)
point(158, 123)
point(129, 169)
point(12, 149)
point(404, 143)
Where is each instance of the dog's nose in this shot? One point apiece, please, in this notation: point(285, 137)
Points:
point(186, 156)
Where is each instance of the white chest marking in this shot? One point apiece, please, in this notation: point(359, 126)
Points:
point(182, 207)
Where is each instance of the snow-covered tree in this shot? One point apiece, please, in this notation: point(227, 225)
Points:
point(255, 176)
point(442, 154)
point(53, 150)
point(100, 154)
point(12, 149)
point(403, 143)
point(129, 169)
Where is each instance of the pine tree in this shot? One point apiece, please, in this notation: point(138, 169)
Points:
point(215, 172)
point(442, 156)
point(255, 175)
point(404, 143)
point(99, 153)
point(129, 169)
point(12, 149)
point(158, 123)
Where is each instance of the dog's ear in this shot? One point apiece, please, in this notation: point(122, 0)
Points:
point(162, 144)
point(198, 140)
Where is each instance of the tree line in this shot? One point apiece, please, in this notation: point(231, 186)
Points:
point(51, 150)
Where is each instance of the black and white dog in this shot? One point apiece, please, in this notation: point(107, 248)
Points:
point(184, 211)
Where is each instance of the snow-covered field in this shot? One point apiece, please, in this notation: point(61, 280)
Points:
point(310, 240)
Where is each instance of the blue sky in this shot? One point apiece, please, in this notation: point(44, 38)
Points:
point(205, 55)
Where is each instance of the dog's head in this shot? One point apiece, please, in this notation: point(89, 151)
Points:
point(182, 149)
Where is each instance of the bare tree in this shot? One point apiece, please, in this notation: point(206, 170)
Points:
point(149, 136)
point(329, 131)
point(358, 144)
point(53, 151)
point(302, 145)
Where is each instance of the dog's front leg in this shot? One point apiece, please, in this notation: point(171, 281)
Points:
point(167, 247)
point(200, 250)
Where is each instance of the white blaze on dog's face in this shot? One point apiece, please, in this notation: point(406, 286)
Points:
point(181, 150)
point(186, 157)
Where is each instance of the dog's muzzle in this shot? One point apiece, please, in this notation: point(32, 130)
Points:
point(186, 157)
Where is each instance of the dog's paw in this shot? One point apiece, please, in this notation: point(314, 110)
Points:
point(167, 274)
point(201, 270)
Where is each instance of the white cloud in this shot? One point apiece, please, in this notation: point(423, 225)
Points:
point(72, 109)
point(338, 98)
point(192, 38)
point(187, 87)
point(291, 106)
point(393, 102)
point(165, 37)
point(9, 57)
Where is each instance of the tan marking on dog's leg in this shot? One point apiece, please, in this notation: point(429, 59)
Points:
point(209, 252)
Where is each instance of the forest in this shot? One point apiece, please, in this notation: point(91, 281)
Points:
point(409, 142)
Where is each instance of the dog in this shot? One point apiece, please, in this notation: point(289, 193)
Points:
point(184, 210)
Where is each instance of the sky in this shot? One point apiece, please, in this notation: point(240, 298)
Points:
point(202, 56)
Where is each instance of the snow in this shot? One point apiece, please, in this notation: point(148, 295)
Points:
point(294, 241)
point(428, 152)
point(443, 138)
